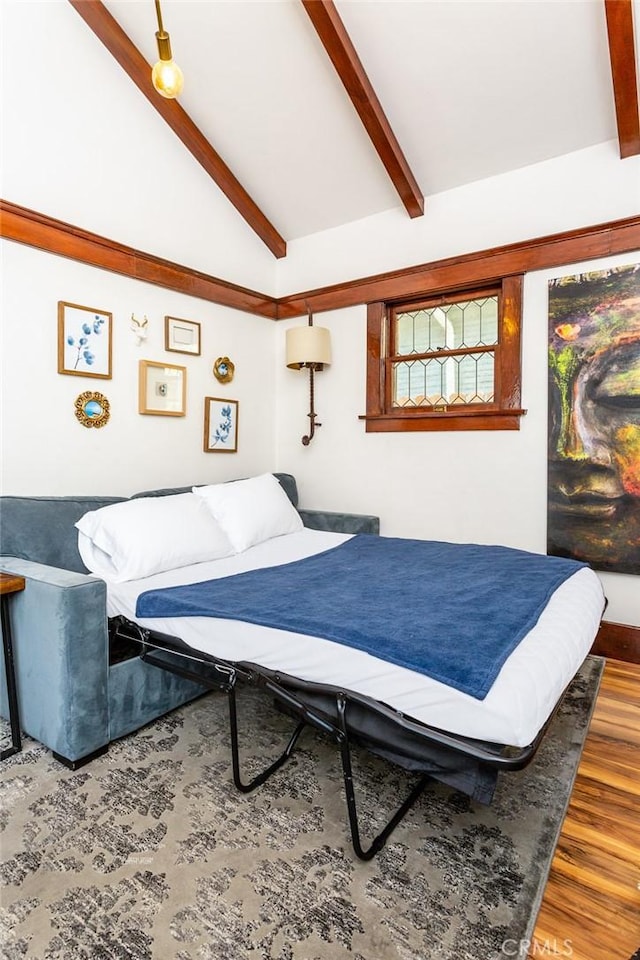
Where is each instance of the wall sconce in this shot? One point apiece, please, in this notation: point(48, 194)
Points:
point(166, 75)
point(309, 348)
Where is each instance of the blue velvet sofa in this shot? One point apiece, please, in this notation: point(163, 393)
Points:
point(73, 697)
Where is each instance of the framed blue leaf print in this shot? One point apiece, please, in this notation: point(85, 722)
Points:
point(84, 341)
point(220, 425)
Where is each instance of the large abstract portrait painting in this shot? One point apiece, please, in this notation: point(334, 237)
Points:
point(594, 418)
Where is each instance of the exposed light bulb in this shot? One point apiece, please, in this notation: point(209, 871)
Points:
point(167, 78)
point(166, 75)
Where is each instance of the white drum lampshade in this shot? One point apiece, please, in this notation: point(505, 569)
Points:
point(308, 346)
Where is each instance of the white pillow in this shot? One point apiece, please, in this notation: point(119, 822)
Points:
point(251, 511)
point(146, 535)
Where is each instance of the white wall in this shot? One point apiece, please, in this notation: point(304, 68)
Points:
point(483, 486)
point(580, 189)
point(79, 142)
point(45, 450)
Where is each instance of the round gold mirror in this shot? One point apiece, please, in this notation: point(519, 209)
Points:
point(223, 370)
point(92, 409)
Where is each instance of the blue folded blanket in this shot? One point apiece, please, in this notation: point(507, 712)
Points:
point(450, 611)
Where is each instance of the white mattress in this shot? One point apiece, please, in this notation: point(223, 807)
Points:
point(519, 702)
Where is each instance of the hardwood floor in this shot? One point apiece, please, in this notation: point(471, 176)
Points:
point(591, 905)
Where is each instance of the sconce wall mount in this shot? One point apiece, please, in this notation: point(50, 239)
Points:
point(309, 348)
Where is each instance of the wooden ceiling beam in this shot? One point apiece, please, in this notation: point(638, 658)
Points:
point(109, 31)
point(619, 15)
point(342, 53)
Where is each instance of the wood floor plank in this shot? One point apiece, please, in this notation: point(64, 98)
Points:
point(592, 939)
point(607, 771)
point(591, 906)
point(617, 713)
point(595, 871)
point(616, 831)
point(615, 838)
point(590, 794)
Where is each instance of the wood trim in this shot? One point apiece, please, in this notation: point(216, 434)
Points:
point(586, 243)
point(619, 16)
point(554, 250)
point(504, 414)
point(11, 583)
point(434, 422)
point(342, 53)
point(376, 313)
point(509, 360)
point(618, 641)
point(38, 230)
point(109, 31)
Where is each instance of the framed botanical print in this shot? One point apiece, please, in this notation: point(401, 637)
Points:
point(220, 425)
point(84, 341)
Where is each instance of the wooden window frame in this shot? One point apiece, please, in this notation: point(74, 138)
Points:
point(502, 414)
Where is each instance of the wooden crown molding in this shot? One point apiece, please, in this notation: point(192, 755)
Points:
point(555, 250)
point(619, 16)
point(342, 53)
point(38, 230)
point(586, 243)
point(109, 31)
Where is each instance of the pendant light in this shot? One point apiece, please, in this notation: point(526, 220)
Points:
point(166, 75)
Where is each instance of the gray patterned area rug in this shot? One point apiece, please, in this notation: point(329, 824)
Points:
point(150, 852)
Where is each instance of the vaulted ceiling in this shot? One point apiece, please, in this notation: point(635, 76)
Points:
point(310, 114)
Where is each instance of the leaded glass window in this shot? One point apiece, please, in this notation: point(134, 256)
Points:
point(444, 353)
point(447, 361)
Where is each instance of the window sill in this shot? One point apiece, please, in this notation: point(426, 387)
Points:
point(445, 420)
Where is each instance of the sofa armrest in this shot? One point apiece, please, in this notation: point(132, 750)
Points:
point(340, 522)
point(61, 653)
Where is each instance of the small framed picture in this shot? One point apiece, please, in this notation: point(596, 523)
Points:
point(84, 341)
point(220, 425)
point(162, 389)
point(182, 336)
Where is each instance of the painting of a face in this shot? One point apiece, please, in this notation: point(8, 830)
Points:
point(594, 418)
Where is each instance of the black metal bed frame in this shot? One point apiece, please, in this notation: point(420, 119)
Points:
point(327, 709)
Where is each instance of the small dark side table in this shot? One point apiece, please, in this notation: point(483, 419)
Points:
point(10, 584)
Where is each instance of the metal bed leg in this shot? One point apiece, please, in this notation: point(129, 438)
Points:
point(380, 840)
point(226, 673)
point(235, 753)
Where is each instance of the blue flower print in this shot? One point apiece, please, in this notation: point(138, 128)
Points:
point(222, 430)
point(84, 353)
